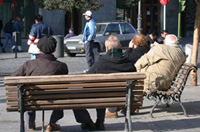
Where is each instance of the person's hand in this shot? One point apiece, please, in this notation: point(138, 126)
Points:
point(81, 42)
point(86, 42)
point(153, 44)
point(131, 44)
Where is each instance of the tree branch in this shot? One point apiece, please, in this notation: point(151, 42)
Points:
point(197, 1)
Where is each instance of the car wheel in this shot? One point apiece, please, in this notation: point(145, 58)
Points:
point(97, 46)
point(68, 53)
point(71, 54)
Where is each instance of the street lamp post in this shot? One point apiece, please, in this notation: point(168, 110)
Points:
point(139, 19)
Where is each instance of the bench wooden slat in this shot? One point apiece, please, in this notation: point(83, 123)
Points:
point(65, 96)
point(57, 86)
point(72, 78)
point(75, 106)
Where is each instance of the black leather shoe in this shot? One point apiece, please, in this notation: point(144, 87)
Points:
point(100, 126)
point(88, 126)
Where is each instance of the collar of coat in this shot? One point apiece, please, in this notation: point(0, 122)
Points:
point(47, 56)
point(115, 53)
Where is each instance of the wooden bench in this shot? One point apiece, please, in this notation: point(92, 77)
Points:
point(74, 92)
point(173, 94)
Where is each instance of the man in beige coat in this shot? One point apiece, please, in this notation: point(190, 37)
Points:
point(161, 63)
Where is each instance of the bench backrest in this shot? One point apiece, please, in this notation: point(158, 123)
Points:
point(73, 91)
point(179, 81)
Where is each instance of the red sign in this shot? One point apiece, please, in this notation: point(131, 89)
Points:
point(13, 5)
point(164, 2)
point(1, 1)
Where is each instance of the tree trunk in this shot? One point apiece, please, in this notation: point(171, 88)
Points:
point(193, 78)
point(72, 17)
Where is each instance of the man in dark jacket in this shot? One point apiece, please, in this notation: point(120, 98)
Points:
point(162, 36)
point(113, 61)
point(8, 29)
point(45, 64)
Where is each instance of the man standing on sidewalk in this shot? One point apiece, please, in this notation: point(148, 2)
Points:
point(18, 27)
point(38, 30)
point(88, 39)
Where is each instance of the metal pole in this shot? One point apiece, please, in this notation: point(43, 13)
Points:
point(21, 106)
point(16, 40)
point(42, 120)
point(139, 19)
point(179, 21)
point(164, 25)
point(128, 121)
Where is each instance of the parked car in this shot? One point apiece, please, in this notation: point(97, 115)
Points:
point(123, 30)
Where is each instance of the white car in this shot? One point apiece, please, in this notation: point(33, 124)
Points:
point(123, 30)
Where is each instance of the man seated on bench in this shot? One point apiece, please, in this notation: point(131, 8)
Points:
point(45, 64)
point(112, 62)
point(161, 64)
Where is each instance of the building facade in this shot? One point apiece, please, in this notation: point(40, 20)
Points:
point(61, 21)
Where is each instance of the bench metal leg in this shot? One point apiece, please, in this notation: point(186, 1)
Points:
point(42, 120)
point(21, 106)
point(152, 109)
point(128, 121)
point(184, 111)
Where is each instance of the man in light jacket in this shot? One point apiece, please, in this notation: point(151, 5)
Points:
point(88, 39)
point(161, 63)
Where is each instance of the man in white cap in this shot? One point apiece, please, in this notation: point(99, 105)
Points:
point(88, 39)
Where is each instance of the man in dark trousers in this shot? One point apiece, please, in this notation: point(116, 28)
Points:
point(8, 30)
point(45, 64)
point(88, 39)
point(112, 62)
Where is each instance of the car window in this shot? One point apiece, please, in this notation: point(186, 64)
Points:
point(112, 29)
point(126, 28)
point(100, 28)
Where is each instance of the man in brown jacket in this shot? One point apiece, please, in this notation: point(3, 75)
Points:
point(45, 64)
point(161, 63)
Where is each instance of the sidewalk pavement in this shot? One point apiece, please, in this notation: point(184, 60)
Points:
point(166, 119)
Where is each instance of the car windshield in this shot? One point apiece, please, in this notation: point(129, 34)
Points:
point(100, 28)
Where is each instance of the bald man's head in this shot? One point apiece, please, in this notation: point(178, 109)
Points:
point(171, 39)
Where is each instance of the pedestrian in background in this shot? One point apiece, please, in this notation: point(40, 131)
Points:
point(8, 29)
point(38, 30)
point(162, 36)
point(151, 37)
point(88, 39)
point(18, 27)
point(70, 34)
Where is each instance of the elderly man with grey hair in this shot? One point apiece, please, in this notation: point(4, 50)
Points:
point(112, 61)
point(161, 63)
